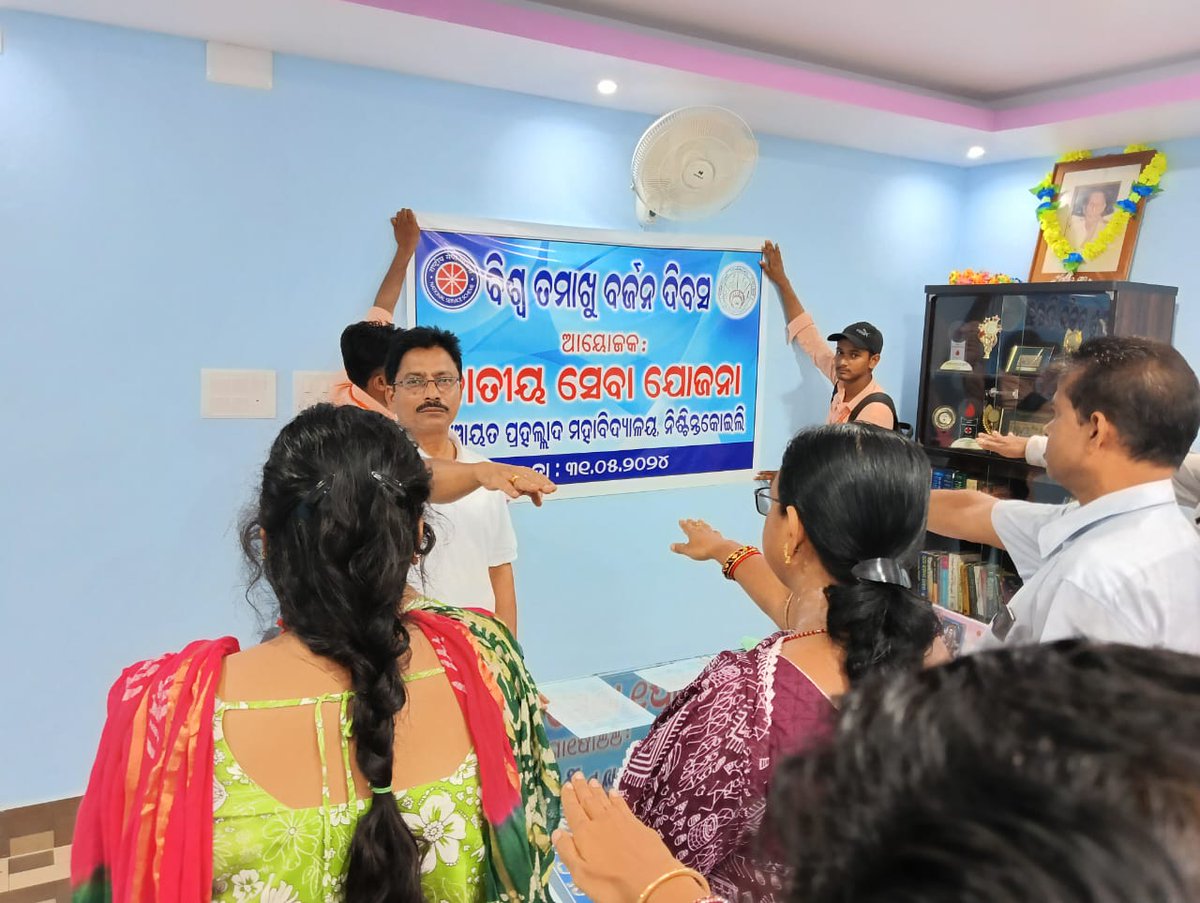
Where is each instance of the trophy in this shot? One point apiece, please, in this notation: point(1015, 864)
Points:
point(1072, 339)
point(989, 334)
point(958, 352)
point(991, 419)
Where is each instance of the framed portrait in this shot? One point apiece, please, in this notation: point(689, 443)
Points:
point(1088, 193)
point(1028, 360)
point(1024, 423)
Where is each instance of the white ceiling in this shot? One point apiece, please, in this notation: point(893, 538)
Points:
point(981, 49)
point(918, 42)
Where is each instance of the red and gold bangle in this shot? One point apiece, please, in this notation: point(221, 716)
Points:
point(735, 559)
point(737, 564)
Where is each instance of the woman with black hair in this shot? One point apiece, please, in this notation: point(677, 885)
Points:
point(381, 748)
point(1058, 773)
point(845, 511)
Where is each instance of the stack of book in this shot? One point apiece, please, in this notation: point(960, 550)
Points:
point(963, 583)
point(949, 478)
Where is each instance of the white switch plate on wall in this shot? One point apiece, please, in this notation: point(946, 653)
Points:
point(237, 393)
point(310, 387)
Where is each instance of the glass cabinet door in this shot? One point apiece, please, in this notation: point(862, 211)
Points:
point(991, 361)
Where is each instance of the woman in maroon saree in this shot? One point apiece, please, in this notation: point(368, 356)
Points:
point(846, 508)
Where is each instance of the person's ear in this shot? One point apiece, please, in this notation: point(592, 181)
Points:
point(873, 362)
point(794, 535)
point(378, 387)
point(420, 540)
point(1103, 432)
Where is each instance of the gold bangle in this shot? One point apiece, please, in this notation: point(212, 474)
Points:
point(674, 873)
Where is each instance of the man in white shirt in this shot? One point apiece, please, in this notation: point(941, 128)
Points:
point(474, 542)
point(1185, 482)
point(1121, 564)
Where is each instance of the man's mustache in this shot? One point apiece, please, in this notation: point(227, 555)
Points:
point(433, 406)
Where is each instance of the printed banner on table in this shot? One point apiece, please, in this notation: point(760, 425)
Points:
point(605, 360)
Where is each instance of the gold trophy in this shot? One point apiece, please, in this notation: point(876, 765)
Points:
point(1072, 339)
point(991, 419)
point(989, 334)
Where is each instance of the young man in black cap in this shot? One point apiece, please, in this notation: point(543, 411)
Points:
point(851, 368)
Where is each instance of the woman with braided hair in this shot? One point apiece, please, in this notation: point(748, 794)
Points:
point(843, 515)
point(380, 748)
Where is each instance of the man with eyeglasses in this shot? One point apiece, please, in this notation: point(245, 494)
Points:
point(475, 545)
point(365, 384)
point(1121, 563)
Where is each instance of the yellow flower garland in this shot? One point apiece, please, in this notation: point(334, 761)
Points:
point(1146, 185)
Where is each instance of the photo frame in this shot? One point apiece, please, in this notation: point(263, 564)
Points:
point(1024, 423)
point(1028, 360)
point(1083, 186)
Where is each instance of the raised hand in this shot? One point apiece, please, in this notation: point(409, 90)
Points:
point(772, 263)
point(406, 229)
point(703, 542)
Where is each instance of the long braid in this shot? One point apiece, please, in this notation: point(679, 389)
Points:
point(343, 493)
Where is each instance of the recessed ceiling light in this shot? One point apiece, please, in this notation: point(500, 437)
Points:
point(606, 86)
point(974, 153)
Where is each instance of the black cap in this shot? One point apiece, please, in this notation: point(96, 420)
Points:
point(861, 334)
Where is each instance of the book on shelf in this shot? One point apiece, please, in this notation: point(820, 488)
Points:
point(964, 583)
point(951, 478)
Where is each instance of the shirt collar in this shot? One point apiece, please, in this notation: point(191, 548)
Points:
point(872, 386)
point(363, 399)
point(1083, 517)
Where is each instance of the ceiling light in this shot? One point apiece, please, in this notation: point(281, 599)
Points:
point(606, 86)
point(974, 153)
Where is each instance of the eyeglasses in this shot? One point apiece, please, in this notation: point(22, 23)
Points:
point(763, 499)
point(415, 384)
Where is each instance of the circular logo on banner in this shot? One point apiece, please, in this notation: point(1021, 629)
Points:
point(737, 290)
point(451, 278)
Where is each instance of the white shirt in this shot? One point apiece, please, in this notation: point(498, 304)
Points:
point(1124, 568)
point(1186, 481)
point(471, 535)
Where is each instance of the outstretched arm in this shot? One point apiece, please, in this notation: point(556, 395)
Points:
point(453, 479)
point(963, 514)
point(804, 333)
point(407, 233)
point(753, 575)
point(772, 267)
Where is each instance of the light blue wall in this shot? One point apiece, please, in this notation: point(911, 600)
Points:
point(152, 224)
point(999, 229)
